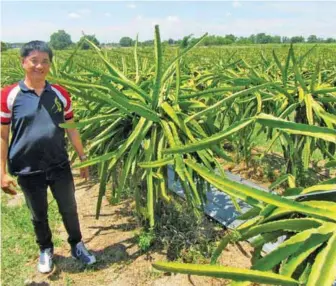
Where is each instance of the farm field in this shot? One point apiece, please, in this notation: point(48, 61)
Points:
point(266, 112)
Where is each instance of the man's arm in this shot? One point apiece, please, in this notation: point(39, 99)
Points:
point(7, 183)
point(76, 142)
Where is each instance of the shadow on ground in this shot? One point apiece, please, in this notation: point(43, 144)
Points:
point(115, 254)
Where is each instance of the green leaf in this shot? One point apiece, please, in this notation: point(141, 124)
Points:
point(276, 59)
point(136, 61)
point(298, 128)
point(251, 213)
point(69, 59)
point(325, 90)
point(211, 140)
point(102, 186)
point(131, 158)
point(157, 163)
point(150, 198)
point(210, 92)
point(297, 72)
point(96, 160)
point(185, 51)
point(85, 122)
point(79, 84)
point(323, 270)
point(290, 246)
point(213, 108)
point(142, 126)
point(222, 245)
point(278, 182)
point(285, 70)
point(225, 272)
point(292, 225)
point(143, 96)
point(306, 153)
point(325, 187)
point(158, 67)
point(309, 108)
point(303, 252)
point(331, 164)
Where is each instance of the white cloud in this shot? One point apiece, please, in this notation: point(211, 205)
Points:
point(236, 4)
point(173, 19)
point(228, 14)
point(107, 14)
point(79, 13)
point(74, 15)
point(131, 6)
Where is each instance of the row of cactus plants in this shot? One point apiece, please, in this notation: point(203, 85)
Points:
point(164, 130)
point(139, 118)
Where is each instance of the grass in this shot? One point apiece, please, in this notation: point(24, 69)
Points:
point(181, 234)
point(19, 252)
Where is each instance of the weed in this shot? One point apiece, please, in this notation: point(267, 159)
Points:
point(184, 235)
point(18, 241)
point(68, 281)
point(145, 240)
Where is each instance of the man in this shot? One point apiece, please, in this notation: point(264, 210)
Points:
point(34, 108)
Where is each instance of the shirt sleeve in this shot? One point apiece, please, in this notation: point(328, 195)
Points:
point(66, 99)
point(6, 112)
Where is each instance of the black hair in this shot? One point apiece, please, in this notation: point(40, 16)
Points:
point(40, 46)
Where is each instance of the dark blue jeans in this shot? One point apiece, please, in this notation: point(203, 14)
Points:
point(61, 184)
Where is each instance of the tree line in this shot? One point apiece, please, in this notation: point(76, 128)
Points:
point(61, 40)
point(230, 39)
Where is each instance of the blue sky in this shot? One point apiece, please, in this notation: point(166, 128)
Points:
point(23, 21)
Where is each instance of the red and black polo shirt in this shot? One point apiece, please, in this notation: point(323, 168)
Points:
point(37, 142)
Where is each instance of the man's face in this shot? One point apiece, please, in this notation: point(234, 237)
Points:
point(36, 65)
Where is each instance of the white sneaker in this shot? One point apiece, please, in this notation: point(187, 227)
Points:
point(81, 253)
point(45, 262)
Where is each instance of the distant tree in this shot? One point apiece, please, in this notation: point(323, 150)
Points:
point(261, 38)
point(91, 38)
point(192, 41)
point(276, 39)
point(60, 40)
point(126, 42)
point(148, 43)
point(171, 42)
point(285, 40)
point(253, 39)
point(243, 41)
point(4, 47)
point(185, 41)
point(330, 40)
point(297, 39)
point(230, 39)
point(312, 39)
point(214, 41)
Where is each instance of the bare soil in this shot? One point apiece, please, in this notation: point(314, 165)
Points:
point(119, 259)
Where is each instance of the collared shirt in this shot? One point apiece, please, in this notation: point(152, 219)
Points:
point(37, 142)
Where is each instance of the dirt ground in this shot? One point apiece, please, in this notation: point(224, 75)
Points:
point(119, 260)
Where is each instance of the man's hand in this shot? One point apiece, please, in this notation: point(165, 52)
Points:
point(84, 173)
point(8, 184)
